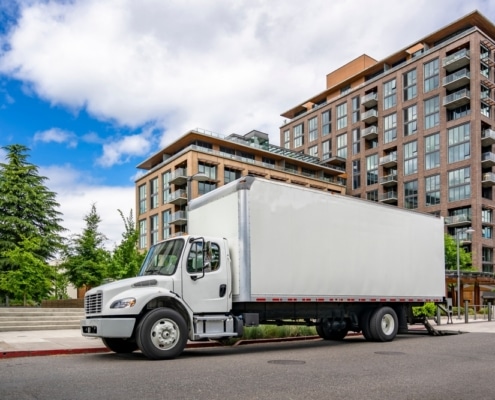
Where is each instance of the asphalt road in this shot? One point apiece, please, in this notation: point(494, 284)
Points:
point(410, 367)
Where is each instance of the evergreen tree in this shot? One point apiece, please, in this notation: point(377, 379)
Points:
point(126, 258)
point(86, 260)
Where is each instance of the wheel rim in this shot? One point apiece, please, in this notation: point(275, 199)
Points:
point(388, 324)
point(165, 334)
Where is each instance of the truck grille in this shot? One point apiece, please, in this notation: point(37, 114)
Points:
point(92, 303)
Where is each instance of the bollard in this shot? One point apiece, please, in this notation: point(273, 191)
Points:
point(489, 311)
point(439, 317)
point(466, 311)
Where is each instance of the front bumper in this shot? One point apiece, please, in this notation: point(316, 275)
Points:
point(108, 327)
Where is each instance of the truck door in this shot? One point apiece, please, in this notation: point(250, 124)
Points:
point(205, 286)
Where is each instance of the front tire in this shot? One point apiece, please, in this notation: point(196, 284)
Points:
point(384, 324)
point(118, 345)
point(162, 334)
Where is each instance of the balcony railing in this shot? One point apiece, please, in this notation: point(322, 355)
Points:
point(488, 159)
point(389, 160)
point(456, 60)
point(461, 219)
point(179, 176)
point(389, 180)
point(389, 197)
point(370, 116)
point(487, 137)
point(178, 197)
point(488, 179)
point(457, 79)
point(179, 218)
point(369, 100)
point(371, 132)
point(457, 99)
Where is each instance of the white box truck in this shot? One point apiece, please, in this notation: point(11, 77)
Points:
point(266, 252)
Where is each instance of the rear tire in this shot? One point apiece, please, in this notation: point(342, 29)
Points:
point(162, 334)
point(364, 323)
point(384, 324)
point(118, 345)
point(325, 331)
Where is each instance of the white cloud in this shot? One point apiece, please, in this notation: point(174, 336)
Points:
point(118, 150)
point(58, 136)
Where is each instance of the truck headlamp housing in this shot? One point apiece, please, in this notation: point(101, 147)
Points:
point(128, 302)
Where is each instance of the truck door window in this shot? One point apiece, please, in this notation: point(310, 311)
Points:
point(198, 259)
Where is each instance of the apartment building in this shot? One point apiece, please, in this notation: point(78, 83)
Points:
point(201, 161)
point(415, 130)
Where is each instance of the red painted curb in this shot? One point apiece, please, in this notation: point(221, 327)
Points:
point(36, 353)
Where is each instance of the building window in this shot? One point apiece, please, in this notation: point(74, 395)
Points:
point(459, 143)
point(154, 193)
point(287, 139)
point(431, 75)
point(166, 187)
point(432, 112)
point(207, 169)
point(313, 151)
point(298, 135)
point(411, 158)
point(326, 122)
point(142, 199)
point(487, 259)
point(411, 195)
point(326, 150)
point(389, 94)
point(143, 234)
point(355, 109)
point(342, 116)
point(485, 70)
point(410, 85)
point(459, 112)
point(390, 128)
point(205, 187)
point(342, 145)
point(356, 141)
point(356, 174)
point(372, 169)
point(410, 120)
point(487, 232)
point(486, 216)
point(167, 231)
point(154, 229)
point(485, 109)
point(313, 129)
point(460, 184)
point(230, 174)
point(432, 189)
point(432, 151)
point(372, 195)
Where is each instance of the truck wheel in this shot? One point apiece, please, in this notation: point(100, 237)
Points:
point(384, 324)
point(162, 334)
point(325, 331)
point(364, 323)
point(120, 345)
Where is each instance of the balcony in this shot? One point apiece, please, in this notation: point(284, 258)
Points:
point(179, 197)
point(178, 218)
point(457, 79)
point(388, 161)
point(457, 220)
point(369, 100)
point(369, 116)
point(370, 133)
point(179, 176)
point(488, 179)
point(457, 99)
point(488, 159)
point(389, 180)
point(457, 60)
point(487, 137)
point(389, 197)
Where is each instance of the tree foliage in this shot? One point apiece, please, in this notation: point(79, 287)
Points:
point(86, 259)
point(465, 259)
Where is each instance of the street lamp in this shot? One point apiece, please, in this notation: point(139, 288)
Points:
point(200, 177)
point(468, 231)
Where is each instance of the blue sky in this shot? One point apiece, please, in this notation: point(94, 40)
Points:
point(93, 87)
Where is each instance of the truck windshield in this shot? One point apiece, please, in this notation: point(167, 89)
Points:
point(162, 258)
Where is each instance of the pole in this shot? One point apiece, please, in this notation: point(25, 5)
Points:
point(458, 278)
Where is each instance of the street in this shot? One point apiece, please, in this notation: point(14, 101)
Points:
point(411, 367)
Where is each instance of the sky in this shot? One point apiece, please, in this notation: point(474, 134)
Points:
point(94, 87)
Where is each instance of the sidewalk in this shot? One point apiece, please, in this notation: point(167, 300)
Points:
point(70, 341)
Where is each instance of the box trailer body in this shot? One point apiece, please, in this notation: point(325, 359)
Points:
point(260, 252)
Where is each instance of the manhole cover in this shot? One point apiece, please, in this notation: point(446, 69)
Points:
point(389, 353)
point(287, 362)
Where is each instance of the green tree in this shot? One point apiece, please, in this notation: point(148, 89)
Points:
point(126, 258)
point(465, 259)
point(85, 259)
point(27, 208)
point(32, 277)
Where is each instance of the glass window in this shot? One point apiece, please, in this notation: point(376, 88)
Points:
point(313, 129)
point(372, 169)
point(342, 145)
point(326, 150)
point(486, 216)
point(487, 232)
point(372, 195)
point(154, 228)
point(431, 75)
point(356, 174)
point(390, 128)
point(154, 193)
point(313, 151)
point(342, 116)
point(389, 94)
point(142, 199)
point(432, 112)
point(411, 158)
point(459, 143)
point(167, 230)
point(410, 120)
point(202, 257)
point(287, 139)
point(432, 151)
point(143, 234)
point(459, 112)
point(166, 186)
point(230, 174)
point(410, 87)
point(205, 187)
point(356, 141)
point(326, 122)
point(208, 170)
point(355, 109)
point(411, 195)
point(432, 190)
point(298, 135)
point(460, 184)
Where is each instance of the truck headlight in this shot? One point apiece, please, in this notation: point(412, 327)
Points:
point(124, 303)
